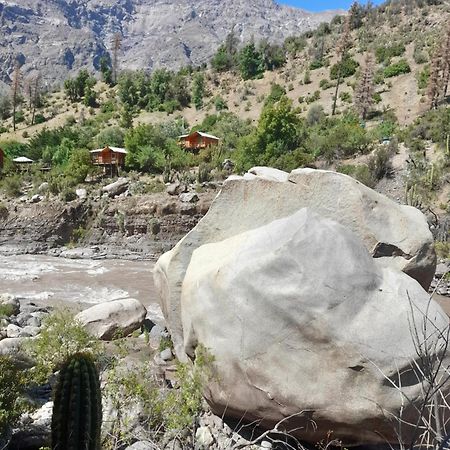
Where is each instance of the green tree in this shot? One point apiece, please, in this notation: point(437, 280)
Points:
point(149, 149)
point(106, 70)
point(198, 90)
point(79, 165)
point(251, 64)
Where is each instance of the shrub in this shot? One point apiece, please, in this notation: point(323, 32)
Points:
point(39, 118)
point(11, 185)
point(316, 64)
point(61, 336)
point(385, 53)
point(358, 172)
point(398, 68)
point(325, 84)
point(12, 384)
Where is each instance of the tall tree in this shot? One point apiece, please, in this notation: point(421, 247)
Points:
point(365, 88)
point(117, 43)
point(343, 46)
point(16, 82)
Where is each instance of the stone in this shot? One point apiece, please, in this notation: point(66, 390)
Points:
point(35, 432)
point(111, 319)
point(31, 331)
point(142, 445)
point(173, 188)
point(266, 444)
point(188, 197)
point(43, 188)
point(22, 319)
point(36, 198)
point(11, 301)
point(33, 321)
point(14, 331)
point(204, 438)
point(166, 354)
point(116, 188)
point(10, 346)
point(326, 267)
point(441, 270)
point(81, 193)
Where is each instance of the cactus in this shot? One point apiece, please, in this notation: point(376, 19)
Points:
point(77, 409)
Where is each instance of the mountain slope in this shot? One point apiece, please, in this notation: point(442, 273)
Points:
point(57, 37)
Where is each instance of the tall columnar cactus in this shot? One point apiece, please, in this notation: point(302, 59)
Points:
point(77, 409)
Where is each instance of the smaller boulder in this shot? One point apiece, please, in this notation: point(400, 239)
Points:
point(188, 197)
point(204, 438)
point(43, 188)
point(36, 198)
point(142, 445)
point(112, 319)
point(81, 193)
point(116, 188)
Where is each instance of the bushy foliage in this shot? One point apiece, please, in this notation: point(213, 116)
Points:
point(151, 150)
point(12, 386)
point(346, 68)
point(61, 336)
point(398, 68)
point(385, 53)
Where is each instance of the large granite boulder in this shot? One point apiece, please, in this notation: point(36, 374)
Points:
point(113, 319)
point(305, 291)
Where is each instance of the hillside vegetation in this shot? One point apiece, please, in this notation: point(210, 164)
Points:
point(349, 95)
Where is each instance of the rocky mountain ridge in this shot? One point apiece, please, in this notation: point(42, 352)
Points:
point(58, 37)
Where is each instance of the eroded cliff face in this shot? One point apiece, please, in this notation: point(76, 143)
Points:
point(58, 37)
point(143, 226)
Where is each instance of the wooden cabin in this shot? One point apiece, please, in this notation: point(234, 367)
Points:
point(112, 159)
point(197, 140)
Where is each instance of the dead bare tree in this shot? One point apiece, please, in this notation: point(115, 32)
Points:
point(342, 51)
point(117, 43)
point(365, 88)
point(16, 81)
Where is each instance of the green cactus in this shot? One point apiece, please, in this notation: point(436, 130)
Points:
point(77, 409)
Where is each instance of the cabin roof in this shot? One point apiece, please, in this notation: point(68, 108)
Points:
point(201, 134)
point(113, 149)
point(22, 159)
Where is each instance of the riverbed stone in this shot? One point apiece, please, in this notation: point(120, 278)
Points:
point(11, 346)
point(113, 319)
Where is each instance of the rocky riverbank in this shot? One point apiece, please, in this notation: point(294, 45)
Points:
point(103, 222)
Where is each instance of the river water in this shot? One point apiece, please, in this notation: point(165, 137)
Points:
point(76, 283)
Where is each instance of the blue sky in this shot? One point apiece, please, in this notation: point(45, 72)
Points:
point(320, 5)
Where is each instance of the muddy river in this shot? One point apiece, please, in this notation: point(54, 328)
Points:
point(76, 282)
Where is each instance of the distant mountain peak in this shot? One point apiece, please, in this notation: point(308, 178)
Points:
point(58, 37)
